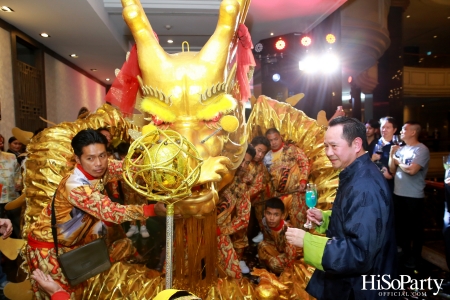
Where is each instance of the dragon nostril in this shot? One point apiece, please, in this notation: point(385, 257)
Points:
point(157, 121)
point(216, 117)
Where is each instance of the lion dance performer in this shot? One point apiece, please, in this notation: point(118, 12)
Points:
point(81, 211)
point(233, 214)
point(289, 168)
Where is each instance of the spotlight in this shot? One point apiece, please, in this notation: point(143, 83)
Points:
point(329, 63)
point(306, 41)
point(308, 65)
point(331, 39)
point(280, 44)
point(326, 63)
point(259, 47)
point(276, 77)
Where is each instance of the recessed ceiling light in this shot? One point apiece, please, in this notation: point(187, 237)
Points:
point(74, 55)
point(408, 16)
point(423, 105)
point(448, 17)
point(435, 36)
point(107, 79)
point(170, 41)
point(435, 56)
point(6, 9)
point(271, 33)
point(44, 35)
point(94, 70)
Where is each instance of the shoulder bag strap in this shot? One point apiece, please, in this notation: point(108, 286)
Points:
point(55, 236)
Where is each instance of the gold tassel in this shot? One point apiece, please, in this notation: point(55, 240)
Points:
point(196, 239)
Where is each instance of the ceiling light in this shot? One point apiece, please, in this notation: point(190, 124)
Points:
point(271, 33)
point(408, 16)
point(94, 70)
point(74, 55)
point(6, 9)
point(45, 35)
point(170, 41)
point(107, 79)
point(435, 36)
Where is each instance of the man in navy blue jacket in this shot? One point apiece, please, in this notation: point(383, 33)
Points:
point(360, 236)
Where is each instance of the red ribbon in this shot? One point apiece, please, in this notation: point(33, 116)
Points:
point(125, 87)
point(245, 59)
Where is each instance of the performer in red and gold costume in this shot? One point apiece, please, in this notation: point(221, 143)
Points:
point(82, 210)
point(233, 214)
point(274, 251)
point(289, 168)
point(259, 183)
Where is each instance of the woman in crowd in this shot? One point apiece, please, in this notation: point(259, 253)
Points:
point(15, 147)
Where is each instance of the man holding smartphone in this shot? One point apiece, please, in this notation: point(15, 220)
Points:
point(409, 163)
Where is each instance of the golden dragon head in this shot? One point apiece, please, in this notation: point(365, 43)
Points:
point(192, 92)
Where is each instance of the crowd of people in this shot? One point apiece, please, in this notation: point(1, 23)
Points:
point(361, 235)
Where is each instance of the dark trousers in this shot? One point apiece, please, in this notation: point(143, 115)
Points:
point(409, 225)
point(446, 229)
point(2, 210)
point(14, 215)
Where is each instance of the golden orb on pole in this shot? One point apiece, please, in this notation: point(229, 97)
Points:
point(162, 165)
